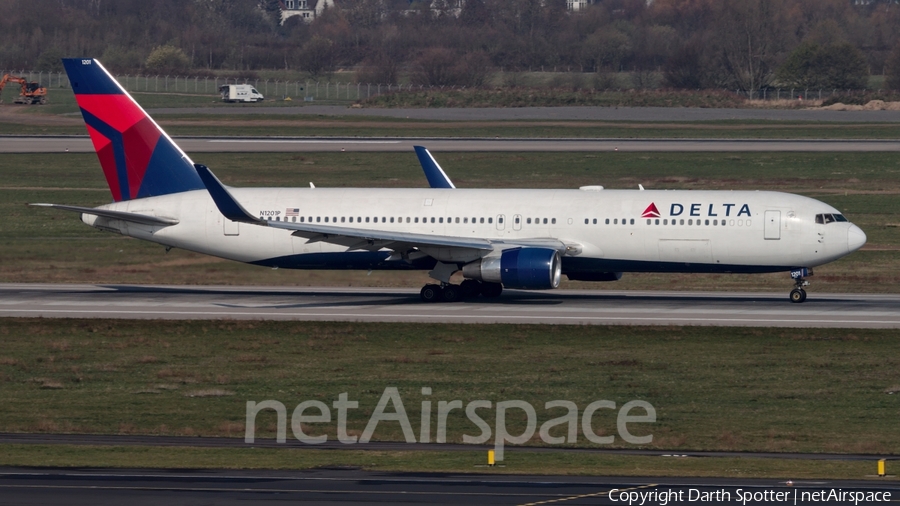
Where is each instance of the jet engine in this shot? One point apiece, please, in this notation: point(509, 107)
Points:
point(522, 268)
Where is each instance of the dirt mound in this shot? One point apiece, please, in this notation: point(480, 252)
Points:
point(873, 105)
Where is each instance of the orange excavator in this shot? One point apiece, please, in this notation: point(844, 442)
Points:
point(32, 93)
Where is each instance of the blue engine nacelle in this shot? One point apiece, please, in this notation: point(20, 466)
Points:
point(522, 268)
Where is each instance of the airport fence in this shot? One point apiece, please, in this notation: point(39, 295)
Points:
point(311, 90)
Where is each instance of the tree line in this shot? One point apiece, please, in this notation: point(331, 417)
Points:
point(735, 44)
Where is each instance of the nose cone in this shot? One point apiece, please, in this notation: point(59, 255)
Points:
point(856, 238)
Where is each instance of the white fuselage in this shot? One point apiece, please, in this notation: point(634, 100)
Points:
point(615, 230)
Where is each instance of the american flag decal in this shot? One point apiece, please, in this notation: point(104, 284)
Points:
point(292, 212)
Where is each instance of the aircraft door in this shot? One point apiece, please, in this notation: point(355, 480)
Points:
point(500, 219)
point(517, 222)
point(773, 225)
point(231, 227)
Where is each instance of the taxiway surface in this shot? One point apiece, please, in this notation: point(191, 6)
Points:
point(82, 144)
point(577, 307)
point(328, 486)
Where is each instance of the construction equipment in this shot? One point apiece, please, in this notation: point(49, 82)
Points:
point(31, 93)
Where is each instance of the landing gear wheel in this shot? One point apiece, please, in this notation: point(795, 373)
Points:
point(431, 293)
point(470, 288)
point(798, 295)
point(491, 290)
point(452, 293)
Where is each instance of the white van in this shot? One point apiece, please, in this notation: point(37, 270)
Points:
point(240, 93)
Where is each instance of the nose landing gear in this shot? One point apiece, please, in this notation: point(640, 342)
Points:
point(798, 294)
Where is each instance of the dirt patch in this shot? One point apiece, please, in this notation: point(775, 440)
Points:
point(20, 115)
point(872, 105)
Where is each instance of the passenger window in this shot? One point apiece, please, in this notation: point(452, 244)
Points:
point(326, 219)
point(553, 221)
point(481, 220)
point(417, 219)
point(432, 219)
point(517, 220)
point(665, 222)
point(457, 220)
point(607, 221)
point(657, 221)
point(707, 222)
point(585, 221)
point(343, 219)
point(528, 221)
point(466, 220)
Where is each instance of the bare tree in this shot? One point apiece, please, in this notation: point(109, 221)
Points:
point(749, 37)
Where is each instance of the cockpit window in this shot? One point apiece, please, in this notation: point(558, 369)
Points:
point(824, 219)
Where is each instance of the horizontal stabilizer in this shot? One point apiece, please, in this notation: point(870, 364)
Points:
point(143, 219)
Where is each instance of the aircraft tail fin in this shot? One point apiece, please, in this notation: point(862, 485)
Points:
point(138, 157)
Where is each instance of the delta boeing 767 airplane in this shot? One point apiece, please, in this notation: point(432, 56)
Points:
point(497, 238)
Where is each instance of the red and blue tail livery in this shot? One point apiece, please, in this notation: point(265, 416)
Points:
point(138, 158)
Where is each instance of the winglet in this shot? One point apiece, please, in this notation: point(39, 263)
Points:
point(228, 206)
point(433, 172)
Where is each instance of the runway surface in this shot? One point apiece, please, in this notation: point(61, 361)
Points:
point(136, 487)
point(575, 307)
point(571, 113)
point(82, 144)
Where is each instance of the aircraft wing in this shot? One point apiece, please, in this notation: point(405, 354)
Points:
point(143, 219)
point(353, 238)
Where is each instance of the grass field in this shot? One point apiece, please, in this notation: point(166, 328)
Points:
point(40, 245)
point(798, 390)
point(431, 461)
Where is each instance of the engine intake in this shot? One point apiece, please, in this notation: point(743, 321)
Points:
point(522, 268)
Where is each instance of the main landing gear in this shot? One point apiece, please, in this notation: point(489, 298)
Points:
point(798, 294)
point(468, 289)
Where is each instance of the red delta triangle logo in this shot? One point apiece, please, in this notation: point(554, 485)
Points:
point(651, 211)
